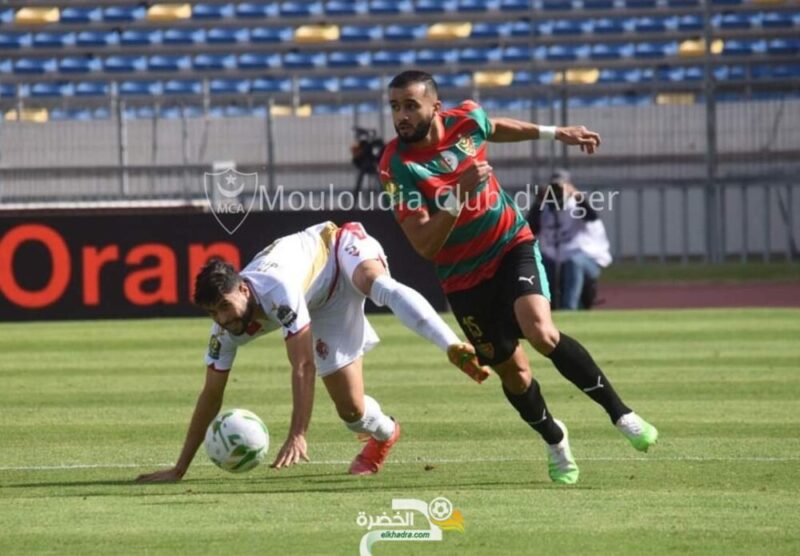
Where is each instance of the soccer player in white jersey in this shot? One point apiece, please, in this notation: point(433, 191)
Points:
point(312, 285)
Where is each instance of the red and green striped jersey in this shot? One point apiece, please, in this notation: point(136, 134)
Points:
point(490, 223)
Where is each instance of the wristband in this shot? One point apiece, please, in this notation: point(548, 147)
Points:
point(547, 132)
point(452, 205)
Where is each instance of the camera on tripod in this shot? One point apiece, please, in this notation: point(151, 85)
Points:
point(366, 152)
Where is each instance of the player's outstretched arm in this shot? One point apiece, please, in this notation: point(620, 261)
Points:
point(208, 405)
point(507, 130)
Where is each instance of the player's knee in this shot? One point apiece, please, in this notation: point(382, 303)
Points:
point(543, 337)
point(350, 412)
point(515, 375)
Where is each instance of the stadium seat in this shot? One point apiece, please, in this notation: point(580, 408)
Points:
point(726, 2)
point(303, 60)
point(205, 62)
point(449, 31)
point(697, 47)
point(348, 59)
point(361, 83)
point(743, 47)
point(521, 28)
point(271, 34)
point(15, 40)
point(517, 54)
point(598, 4)
point(228, 86)
point(8, 90)
point(393, 58)
point(639, 4)
point(34, 65)
point(730, 73)
point(92, 89)
point(160, 13)
point(184, 35)
point(213, 11)
point(654, 24)
point(169, 62)
point(327, 109)
point(79, 64)
point(6, 66)
point(435, 6)
point(611, 26)
point(362, 33)
point(437, 56)
point(52, 89)
point(271, 85)
point(676, 98)
point(123, 14)
point(6, 15)
point(733, 21)
point(53, 40)
point(619, 76)
point(300, 9)
point(390, 7)
point(577, 76)
point(140, 37)
point(650, 50)
point(786, 71)
point(453, 80)
point(121, 64)
point(556, 5)
point(80, 15)
point(490, 30)
point(492, 78)
point(223, 35)
point(257, 10)
point(777, 20)
point(612, 51)
point(33, 115)
point(567, 52)
point(37, 16)
point(683, 3)
point(693, 73)
point(783, 47)
point(472, 6)
point(318, 84)
point(346, 7)
point(316, 33)
point(404, 32)
point(183, 87)
point(140, 88)
point(97, 38)
point(527, 78)
point(480, 55)
point(258, 61)
point(690, 23)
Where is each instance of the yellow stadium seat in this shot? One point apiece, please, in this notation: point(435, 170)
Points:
point(493, 78)
point(316, 33)
point(36, 115)
point(577, 76)
point(449, 31)
point(697, 47)
point(280, 110)
point(169, 12)
point(675, 98)
point(37, 16)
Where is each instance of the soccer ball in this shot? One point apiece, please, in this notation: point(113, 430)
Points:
point(237, 440)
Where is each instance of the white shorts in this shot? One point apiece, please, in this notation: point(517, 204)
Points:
point(340, 329)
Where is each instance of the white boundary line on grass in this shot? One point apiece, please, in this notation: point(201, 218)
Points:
point(69, 466)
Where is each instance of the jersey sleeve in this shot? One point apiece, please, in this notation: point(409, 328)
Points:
point(221, 349)
point(285, 304)
point(475, 111)
point(397, 181)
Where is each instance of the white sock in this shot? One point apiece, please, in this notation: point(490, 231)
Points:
point(413, 310)
point(374, 422)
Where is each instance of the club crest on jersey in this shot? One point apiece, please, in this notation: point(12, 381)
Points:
point(390, 187)
point(322, 349)
point(486, 349)
point(214, 347)
point(467, 146)
point(285, 315)
point(448, 161)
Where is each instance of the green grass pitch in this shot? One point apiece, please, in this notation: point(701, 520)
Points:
point(86, 406)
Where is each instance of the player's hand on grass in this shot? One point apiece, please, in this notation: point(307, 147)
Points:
point(293, 450)
point(171, 475)
point(588, 141)
point(475, 174)
point(464, 357)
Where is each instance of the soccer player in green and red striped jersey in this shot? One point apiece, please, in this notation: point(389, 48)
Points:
point(453, 211)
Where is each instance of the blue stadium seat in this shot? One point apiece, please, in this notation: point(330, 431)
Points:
point(348, 59)
point(124, 14)
point(303, 60)
point(15, 40)
point(693, 73)
point(567, 52)
point(526, 78)
point(480, 55)
point(97, 38)
point(683, 3)
point(257, 61)
point(79, 64)
point(639, 4)
point(364, 33)
point(361, 83)
point(598, 4)
point(74, 114)
point(490, 30)
point(53, 40)
point(80, 15)
point(786, 71)
point(521, 28)
point(612, 51)
point(7, 15)
point(346, 7)
point(169, 62)
point(140, 88)
point(300, 9)
point(405, 32)
point(121, 64)
point(326, 109)
point(655, 24)
point(8, 90)
point(735, 21)
point(140, 37)
point(726, 2)
point(472, 6)
point(318, 84)
point(453, 80)
point(212, 11)
point(743, 47)
point(183, 87)
point(611, 26)
point(776, 20)
point(228, 86)
point(184, 35)
point(690, 23)
point(52, 89)
point(214, 62)
point(517, 54)
point(730, 73)
point(571, 27)
point(256, 10)
point(390, 7)
point(619, 76)
point(556, 5)
point(224, 35)
point(393, 58)
point(435, 6)
point(34, 65)
point(271, 34)
point(783, 47)
point(92, 89)
point(271, 85)
point(651, 50)
point(6, 66)
point(437, 56)
point(172, 112)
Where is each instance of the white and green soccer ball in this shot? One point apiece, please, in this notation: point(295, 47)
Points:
point(237, 440)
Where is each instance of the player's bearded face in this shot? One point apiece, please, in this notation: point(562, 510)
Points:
point(411, 133)
point(234, 312)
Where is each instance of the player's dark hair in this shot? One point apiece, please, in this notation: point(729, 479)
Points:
point(214, 280)
point(411, 77)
